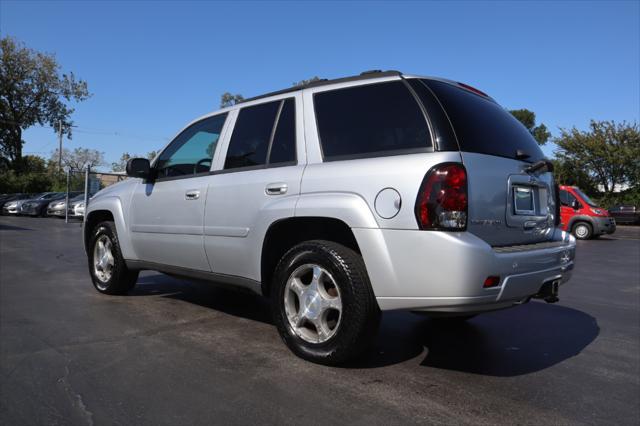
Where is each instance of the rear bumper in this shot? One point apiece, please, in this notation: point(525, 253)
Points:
point(604, 225)
point(445, 272)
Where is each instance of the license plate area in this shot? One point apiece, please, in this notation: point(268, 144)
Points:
point(528, 203)
point(524, 200)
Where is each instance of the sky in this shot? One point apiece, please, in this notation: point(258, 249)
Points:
point(152, 67)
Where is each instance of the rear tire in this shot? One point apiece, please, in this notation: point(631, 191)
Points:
point(323, 304)
point(107, 267)
point(582, 231)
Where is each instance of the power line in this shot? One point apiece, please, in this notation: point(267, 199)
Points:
point(103, 132)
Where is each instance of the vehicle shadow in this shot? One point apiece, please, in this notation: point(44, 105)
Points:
point(231, 301)
point(511, 342)
point(4, 227)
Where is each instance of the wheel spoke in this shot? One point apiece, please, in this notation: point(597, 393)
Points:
point(298, 320)
point(317, 273)
point(323, 332)
point(297, 287)
point(100, 249)
point(332, 303)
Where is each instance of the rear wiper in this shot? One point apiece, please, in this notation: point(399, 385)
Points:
point(539, 165)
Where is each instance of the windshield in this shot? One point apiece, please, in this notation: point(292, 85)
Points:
point(585, 197)
point(48, 196)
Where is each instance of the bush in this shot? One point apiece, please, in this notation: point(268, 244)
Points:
point(630, 197)
point(31, 182)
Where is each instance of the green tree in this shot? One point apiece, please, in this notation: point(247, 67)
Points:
point(121, 164)
point(307, 81)
point(33, 178)
point(79, 158)
point(607, 153)
point(528, 119)
point(567, 173)
point(227, 99)
point(32, 91)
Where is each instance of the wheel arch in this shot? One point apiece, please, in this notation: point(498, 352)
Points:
point(108, 208)
point(285, 233)
point(580, 218)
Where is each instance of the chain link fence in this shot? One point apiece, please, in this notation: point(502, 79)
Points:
point(82, 185)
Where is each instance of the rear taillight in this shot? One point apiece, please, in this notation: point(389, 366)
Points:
point(442, 199)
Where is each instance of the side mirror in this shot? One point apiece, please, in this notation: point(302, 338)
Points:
point(575, 204)
point(139, 167)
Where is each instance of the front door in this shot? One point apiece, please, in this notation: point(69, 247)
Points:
point(167, 212)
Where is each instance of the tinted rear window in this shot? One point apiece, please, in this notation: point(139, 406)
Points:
point(283, 147)
point(371, 120)
point(250, 139)
point(483, 126)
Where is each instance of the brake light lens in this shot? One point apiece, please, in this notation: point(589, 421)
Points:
point(442, 200)
point(491, 281)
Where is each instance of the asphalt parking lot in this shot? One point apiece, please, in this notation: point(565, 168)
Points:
point(174, 352)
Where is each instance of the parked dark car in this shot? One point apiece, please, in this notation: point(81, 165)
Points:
point(626, 214)
point(38, 206)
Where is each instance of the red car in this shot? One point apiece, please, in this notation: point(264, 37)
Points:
point(582, 216)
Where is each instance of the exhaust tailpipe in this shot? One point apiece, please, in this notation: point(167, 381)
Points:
point(549, 291)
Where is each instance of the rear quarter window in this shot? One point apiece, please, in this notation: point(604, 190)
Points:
point(483, 126)
point(369, 121)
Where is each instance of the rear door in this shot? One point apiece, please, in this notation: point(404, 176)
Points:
point(256, 182)
point(507, 205)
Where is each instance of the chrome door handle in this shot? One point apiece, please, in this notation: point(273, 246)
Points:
point(276, 189)
point(192, 195)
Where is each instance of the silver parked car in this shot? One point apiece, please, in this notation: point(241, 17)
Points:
point(76, 209)
point(57, 207)
point(340, 199)
point(15, 206)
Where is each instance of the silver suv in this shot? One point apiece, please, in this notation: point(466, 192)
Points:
point(340, 199)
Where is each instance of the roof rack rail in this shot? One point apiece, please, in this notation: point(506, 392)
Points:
point(323, 82)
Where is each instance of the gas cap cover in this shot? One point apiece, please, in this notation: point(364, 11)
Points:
point(388, 203)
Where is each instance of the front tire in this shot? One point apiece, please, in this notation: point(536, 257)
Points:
point(107, 267)
point(582, 231)
point(323, 304)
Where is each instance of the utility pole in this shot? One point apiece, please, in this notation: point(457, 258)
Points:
point(59, 146)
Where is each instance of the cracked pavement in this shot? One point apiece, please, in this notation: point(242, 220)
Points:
point(174, 352)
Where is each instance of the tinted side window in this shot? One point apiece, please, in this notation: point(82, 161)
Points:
point(369, 121)
point(250, 140)
point(566, 198)
point(192, 150)
point(283, 148)
point(482, 125)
